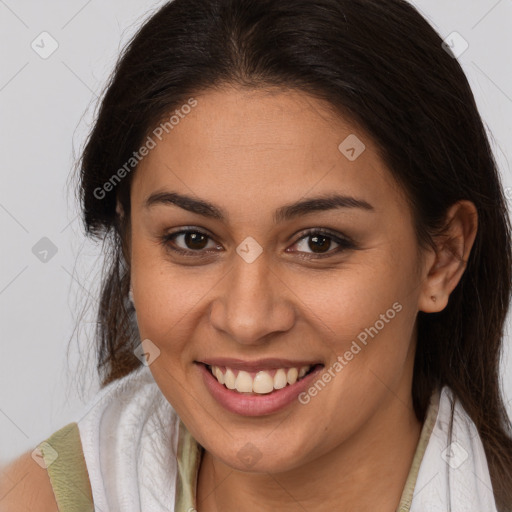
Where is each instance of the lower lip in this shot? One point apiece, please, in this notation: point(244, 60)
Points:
point(255, 405)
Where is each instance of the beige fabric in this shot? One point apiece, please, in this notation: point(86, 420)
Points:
point(65, 464)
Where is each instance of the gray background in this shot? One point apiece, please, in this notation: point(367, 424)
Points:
point(47, 106)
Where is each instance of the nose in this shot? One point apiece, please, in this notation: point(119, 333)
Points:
point(253, 303)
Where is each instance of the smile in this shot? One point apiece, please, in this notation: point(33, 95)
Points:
point(258, 388)
point(258, 382)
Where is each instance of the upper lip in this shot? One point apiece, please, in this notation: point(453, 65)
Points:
point(258, 364)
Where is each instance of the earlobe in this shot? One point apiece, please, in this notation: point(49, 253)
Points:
point(432, 304)
point(452, 252)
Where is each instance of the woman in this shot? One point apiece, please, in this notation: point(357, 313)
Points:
point(309, 272)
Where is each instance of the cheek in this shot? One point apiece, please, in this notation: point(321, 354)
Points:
point(364, 323)
point(165, 296)
point(347, 300)
point(364, 313)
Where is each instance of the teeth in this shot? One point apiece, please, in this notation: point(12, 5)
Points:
point(219, 375)
point(229, 378)
point(262, 383)
point(292, 375)
point(243, 382)
point(279, 379)
point(303, 371)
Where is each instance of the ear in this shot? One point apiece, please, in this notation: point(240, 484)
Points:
point(119, 208)
point(125, 231)
point(446, 265)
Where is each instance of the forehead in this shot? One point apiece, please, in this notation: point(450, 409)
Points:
point(238, 147)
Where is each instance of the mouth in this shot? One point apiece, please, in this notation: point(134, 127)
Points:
point(257, 389)
point(259, 382)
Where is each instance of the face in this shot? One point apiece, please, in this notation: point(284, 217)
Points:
point(257, 285)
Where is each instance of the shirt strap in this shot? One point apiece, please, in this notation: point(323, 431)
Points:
point(64, 460)
point(426, 431)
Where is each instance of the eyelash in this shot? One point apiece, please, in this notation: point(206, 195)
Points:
point(344, 243)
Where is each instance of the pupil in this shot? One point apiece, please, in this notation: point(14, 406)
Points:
point(316, 245)
point(195, 240)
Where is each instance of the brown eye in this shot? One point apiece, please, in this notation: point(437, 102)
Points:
point(192, 242)
point(195, 240)
point(319, 242)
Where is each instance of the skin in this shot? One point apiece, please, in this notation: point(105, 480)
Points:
point(250, 152)
point(25, 485)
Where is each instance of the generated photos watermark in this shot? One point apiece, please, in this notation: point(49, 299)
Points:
point(143, 151)
point(355, 347)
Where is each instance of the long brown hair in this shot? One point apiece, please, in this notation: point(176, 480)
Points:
point(377, 62)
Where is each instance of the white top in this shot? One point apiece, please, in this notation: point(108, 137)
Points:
point(130, 435)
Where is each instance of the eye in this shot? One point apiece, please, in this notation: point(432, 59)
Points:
point(194, 242)
point(191, 242)
point(320, 240)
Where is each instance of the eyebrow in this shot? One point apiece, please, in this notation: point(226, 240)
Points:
point(284, 213)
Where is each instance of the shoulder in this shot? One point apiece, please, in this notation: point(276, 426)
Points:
point(25, 485)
